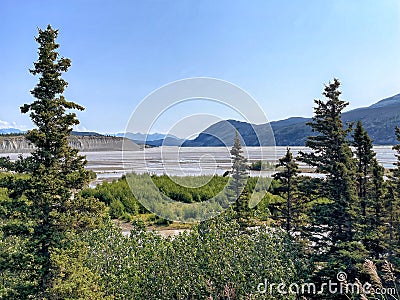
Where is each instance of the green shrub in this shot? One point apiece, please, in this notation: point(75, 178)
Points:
point(116, 190)
point(116, 209)
point(127, 217)
point(261, 165)
point(213, 259)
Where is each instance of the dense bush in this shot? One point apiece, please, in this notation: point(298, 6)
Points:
point(183, 190)
point(259, 165)
point(215, 260)
point(117, 196)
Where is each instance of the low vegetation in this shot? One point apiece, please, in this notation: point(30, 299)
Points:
point(259, 165)
point(215, 260)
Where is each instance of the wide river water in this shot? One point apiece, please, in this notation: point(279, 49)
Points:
point(192, 161)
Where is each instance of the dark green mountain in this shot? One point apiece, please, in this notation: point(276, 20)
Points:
point(167, 141)
point(379, 120)
point(223, 133)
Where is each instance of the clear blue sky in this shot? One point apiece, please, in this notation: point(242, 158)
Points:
point(281, 52)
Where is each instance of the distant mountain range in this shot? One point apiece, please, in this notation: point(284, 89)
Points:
point(379, 120)
point(223, 133)
point(167, 141)
point(10, 131)
point(149, 139)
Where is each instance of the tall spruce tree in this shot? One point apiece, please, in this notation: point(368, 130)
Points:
point(365, 156)
point(393, 204)
point(239, 167)
point(376, 239)
point(237, 183)
point(44, 210)
point(332, 156)
point(396, 172)
point(370, 187)
point(287, 177)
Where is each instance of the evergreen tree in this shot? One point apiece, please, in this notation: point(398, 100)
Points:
point(237, 182)
point(393, 203)
point(332, 156)
point(44, 210)
point(370, 187)
point(288, 188)
point(396, 172)
point(239, 167)
point(365, 156)
point(376, 243)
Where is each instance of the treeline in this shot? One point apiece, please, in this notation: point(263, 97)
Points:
point(353, 212)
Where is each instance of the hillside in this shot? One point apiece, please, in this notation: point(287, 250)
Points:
point(223, 133)
point(378, 119)
point(18, 144)
point(167, 141)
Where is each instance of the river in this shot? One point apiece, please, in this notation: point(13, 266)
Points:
point(191, 161)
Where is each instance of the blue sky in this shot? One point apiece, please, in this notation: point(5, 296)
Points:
point(281, 52)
